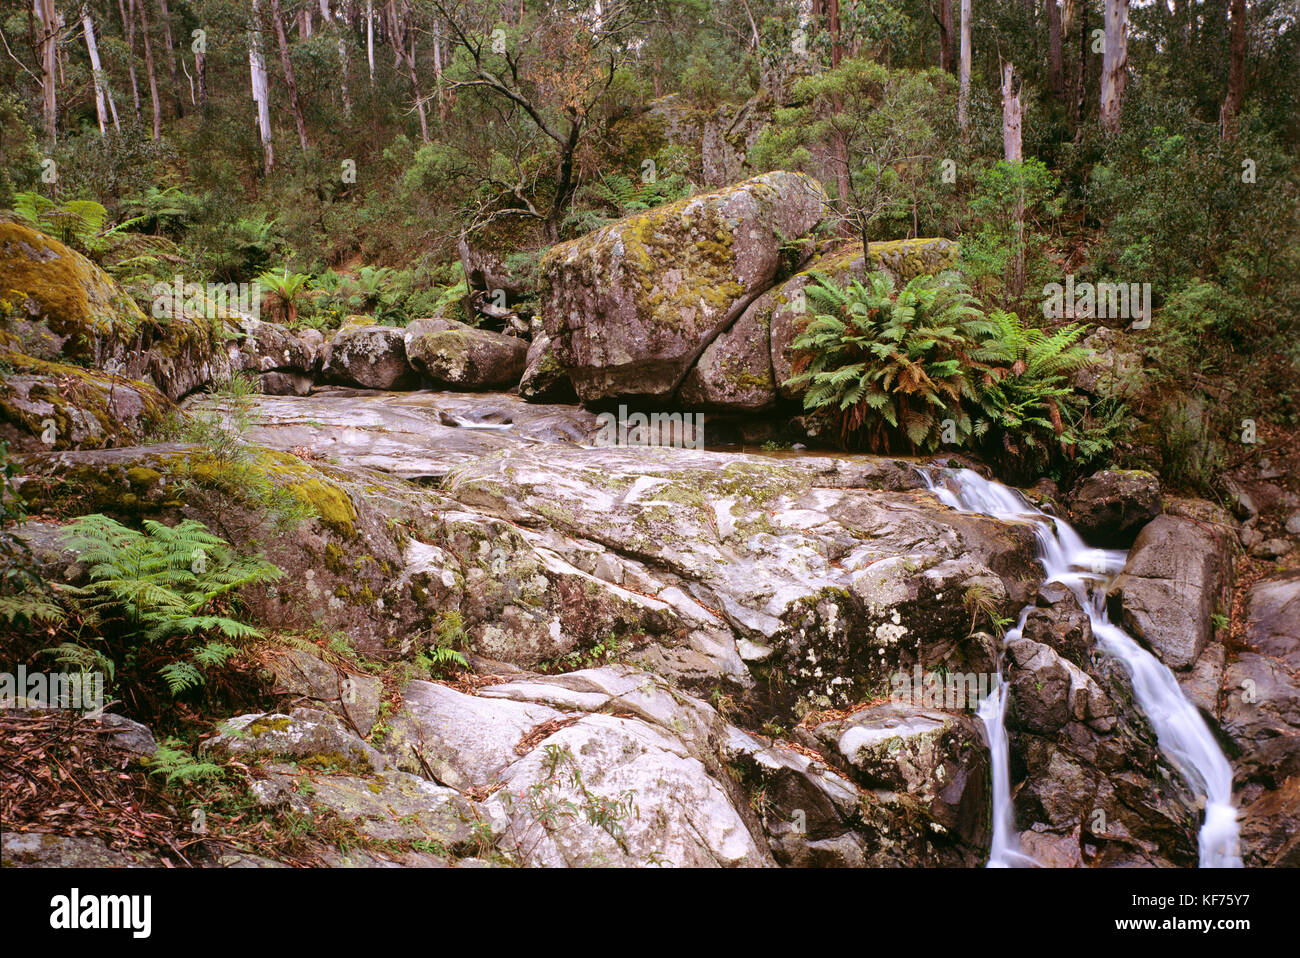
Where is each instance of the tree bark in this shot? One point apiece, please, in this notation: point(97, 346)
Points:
point(1055, 65)
point(963, 77)
point(1114, 64)
point(283, 41)
point(148, 66)
point(1012, 115)
point(1236, 70)
point(171, 58)
point(261, 90)
point(946, 60)
point(128, 28)
point(102, 93)
point(370, 39)
point(328, 17)
point(48, 18)
point(399, 35)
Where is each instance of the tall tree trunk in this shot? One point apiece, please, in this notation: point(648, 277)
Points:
point(97, 74)
point(1055, 66)
point(329, 17)
point(148, 66)
point(963, 73)
point(128, 29)
point(370, 39)
point(1012, 117)
point(1236, 70)
point(1114, 64)
point(48, 18)
point(843, 179)
point(1081, 72)
point(399, 33)
point(171, 58)
point(1012, 114)
point(261, 89)
point(946, 60)
point(283, 41)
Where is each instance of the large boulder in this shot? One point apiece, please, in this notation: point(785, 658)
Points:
point(461, 357)
point(1261, 713)
point(1172, 585)
point(61, 304)
point(735, 372)
point(938, 760)
point(372, 357)
point(51, 405)
point(61, 307)
point(631, 306)
point(544, 379)
point(1109, 507)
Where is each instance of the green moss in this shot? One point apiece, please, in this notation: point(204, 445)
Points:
point(330, 503)
point(262, 725)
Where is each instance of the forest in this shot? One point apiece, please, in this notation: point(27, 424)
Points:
point(636, 432)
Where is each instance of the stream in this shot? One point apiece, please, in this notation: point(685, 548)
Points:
point(1180, 729)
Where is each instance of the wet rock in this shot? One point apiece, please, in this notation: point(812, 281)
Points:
point(1270, 828)
point(277, 383)
point(937, 759)
point(1110, 507)
point(807, 810)
point(1173, 583)
point(544, 379)
point(460, 356)
point(1047, 691)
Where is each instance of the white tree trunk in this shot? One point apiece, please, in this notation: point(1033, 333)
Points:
point(963, 72)
point(48, 18)
point(97, 73)
point(370, 38)
point(261, 94)
point(1114, 64)
point(1012, 115)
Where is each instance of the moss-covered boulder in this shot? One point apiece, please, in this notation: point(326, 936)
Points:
point(60, 303)
point(631, 306)
point(901, 259)
point(59, 306)
point(544, 379)
point(461, 357)
point(369, 356)
point(735, 372)
point(52, 405)
point(356, 547)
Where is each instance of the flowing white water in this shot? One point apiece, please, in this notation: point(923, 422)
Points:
point(1180, 729)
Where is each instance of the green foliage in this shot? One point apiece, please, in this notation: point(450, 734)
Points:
point(176, 764)
point(893, 126)
point(1012, 210)
point(880, 365)
point(286, 291)
point(927, 367)
point(169, 587)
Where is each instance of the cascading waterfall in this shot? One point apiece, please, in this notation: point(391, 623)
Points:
point(1180, 729)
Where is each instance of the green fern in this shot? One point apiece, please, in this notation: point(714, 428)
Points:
point(164, 584)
